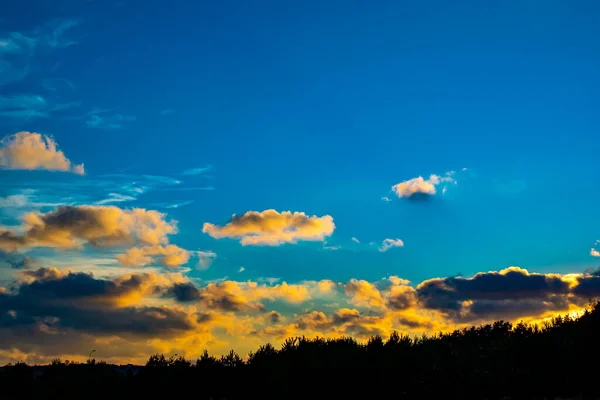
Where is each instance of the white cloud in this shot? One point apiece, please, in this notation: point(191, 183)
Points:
point(594, 253)
point(390, 243)
point(205, 259)
point(355, 240)
point(197, 171)
point(114, 121)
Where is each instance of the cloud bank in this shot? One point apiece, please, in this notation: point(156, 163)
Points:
point(49, 312)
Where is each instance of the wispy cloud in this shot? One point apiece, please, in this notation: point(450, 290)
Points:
point(355, 240)
point(20, 50)
point(57, 84)
point(197, 171)
point(390, 243)
point(31, 106)
point(167, 111)
point(179, 205)
point(105, 119)
point(115, 198)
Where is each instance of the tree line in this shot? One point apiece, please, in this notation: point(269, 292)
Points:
point(558, 359)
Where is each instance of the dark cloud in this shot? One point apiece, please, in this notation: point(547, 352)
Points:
point(274, 317)
point(223, 296)
point(184, 292)
point(485, 291)
point(83, 303)
point(588, 285)
point(17, 260)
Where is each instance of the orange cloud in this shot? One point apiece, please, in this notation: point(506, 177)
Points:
point(100, 226)
point(364, 293)
point(171, 255)
point(272, 228)
point(32, 151)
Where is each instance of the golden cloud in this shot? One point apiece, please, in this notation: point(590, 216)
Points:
point(169, 313)
point(170, 255)
point(33, 151)
point(100, 226)
point(272, 228)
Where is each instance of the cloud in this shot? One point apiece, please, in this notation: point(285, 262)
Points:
point(386, 199)
point(422, 188)
point(64, 301)
point(355, 240)
point(594, 253)
point(390, 243)
point(33, 151)
point(20, 51)
point(197, 171)
point(241, 269)
point(28, 107)
point(494, 293)
point(179, 205)
point(364, 293)
point(101, 119)
point(232, 296)
point(100, 226)
point(170, 255)
point(50, 311)
point(205, 259)
point(272, 228)
point(115, 198)
point(167, 111)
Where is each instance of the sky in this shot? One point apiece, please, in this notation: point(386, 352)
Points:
point(176, 176)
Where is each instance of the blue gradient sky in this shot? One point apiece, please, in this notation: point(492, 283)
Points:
point(321, 108)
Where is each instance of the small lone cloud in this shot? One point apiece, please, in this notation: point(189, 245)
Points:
point(355, 240)
point(167, 111)
point(205, 259)
point(197, 171)
point(594, 253)
point(420, 188)
point(386, 199)
point(242, 269)
point(390, 243)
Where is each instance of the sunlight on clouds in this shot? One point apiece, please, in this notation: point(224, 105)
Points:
point(422, 186)
point(152, 312)
point(171, 255)
point(100, 226)
point(272, 228)
point(32, 151)
point(390, 243)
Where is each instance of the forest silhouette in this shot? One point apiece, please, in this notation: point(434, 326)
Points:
point(558, 359)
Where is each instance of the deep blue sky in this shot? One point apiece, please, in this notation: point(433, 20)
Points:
point(321, 107)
